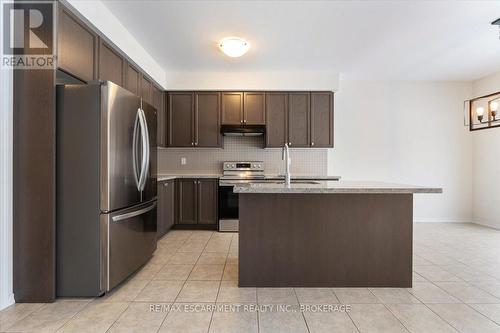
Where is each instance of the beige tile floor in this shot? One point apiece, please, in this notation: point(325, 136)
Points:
point(456, 288)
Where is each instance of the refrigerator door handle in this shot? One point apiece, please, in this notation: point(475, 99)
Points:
point(134, 213)
point(144, 150)
point(134, 150)
point(148, 149)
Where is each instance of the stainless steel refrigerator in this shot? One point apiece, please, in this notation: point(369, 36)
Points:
point(106, 187)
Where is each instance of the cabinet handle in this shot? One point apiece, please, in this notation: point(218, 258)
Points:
point(312, 143)
point(289, 143)
point(166, 184)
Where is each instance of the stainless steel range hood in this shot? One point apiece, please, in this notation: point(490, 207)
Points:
point(243, 130)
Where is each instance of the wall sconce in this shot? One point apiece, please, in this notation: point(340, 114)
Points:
point(481, 112)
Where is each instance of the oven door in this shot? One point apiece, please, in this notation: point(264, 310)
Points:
point(228, 208)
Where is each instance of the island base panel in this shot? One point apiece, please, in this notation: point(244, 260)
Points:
point(325, 240)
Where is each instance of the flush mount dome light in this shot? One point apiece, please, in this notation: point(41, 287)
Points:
point(234, 46)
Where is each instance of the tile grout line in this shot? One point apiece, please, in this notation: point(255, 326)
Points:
point(220, 282)
point(348, 315)
point(161, 324)
point(385, 306)
point(301, 312)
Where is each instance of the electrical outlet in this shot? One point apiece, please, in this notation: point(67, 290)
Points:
point(183, 161)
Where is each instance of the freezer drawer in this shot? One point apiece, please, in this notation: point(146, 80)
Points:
point(130, 241)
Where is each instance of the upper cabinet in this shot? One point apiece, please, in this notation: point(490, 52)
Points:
point(254, 108)
point(301, 119)
point(146, 91)
point(298, 119)
point(248, 108)
point(77, 46)
point(181, 119)
point(276, 119)
point(322, 119)
point(207, 119)
point(132, 79)
point(111, 64)
point(194, 119)
point(158, 103)
point(232, 108)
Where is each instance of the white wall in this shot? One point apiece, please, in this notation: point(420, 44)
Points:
point(267, 80)
point(104, 20)
point(407, 132)
point(6, 292)
point(486, 162)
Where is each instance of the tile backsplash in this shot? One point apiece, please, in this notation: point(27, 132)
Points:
point(209, 160)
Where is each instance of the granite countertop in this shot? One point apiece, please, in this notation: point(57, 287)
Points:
point(335, 187)
point(187, 175)
point(164, 177)
point(303, 177)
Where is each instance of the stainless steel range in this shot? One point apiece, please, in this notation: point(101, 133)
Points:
point(235, 172)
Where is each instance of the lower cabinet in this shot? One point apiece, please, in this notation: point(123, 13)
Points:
point(166, 207)
point(197, 201)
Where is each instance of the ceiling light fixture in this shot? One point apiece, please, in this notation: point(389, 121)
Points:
point(234, 46)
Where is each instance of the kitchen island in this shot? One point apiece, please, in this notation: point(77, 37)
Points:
point(326, 234)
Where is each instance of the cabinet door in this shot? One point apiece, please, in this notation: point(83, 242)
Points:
point(276, 119)
point(76, 47)
point(254, 108)
point(298, 119)
point(146, 89)
point(232, 108)
point(321, 119)
point(161, 226)
point(207, 201)
point(111, 64)
point(170, 206)
point(132, 80)
point(187, 205)
point(181, 119)
point(207, 120)
point(160, 115)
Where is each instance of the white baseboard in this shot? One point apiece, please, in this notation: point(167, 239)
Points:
point(7, 302)
point(442, 220)
point(487, 223)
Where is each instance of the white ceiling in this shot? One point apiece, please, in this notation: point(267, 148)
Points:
point(395, 40)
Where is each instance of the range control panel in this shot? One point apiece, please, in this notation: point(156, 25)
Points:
point(243, 166)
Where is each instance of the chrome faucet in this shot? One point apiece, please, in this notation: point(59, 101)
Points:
point(286, 156)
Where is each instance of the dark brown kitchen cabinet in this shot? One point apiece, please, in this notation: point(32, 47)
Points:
point(276, 119)
point(146, 89)
point(187, 201)
point(207, 119)
point(111, 64)
point(207, 201)
point(232, 108)
point(197, 201)
point(194, 119)
point(181, 119)
point(299, 119)
point(157, 102)
point(321, 119)
point(132, 79)
point(166, 207)
point(76, 46)
point(254, 108)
